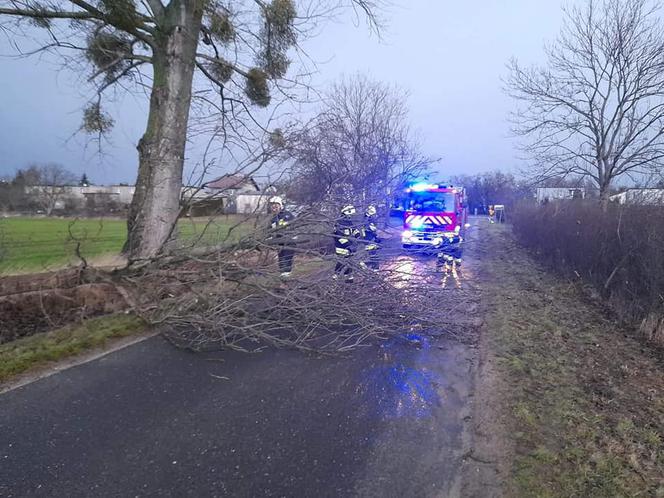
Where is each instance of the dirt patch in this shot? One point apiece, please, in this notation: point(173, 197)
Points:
point(487, 464)
point(585, 406)
point(16, 284)
point(30, 304)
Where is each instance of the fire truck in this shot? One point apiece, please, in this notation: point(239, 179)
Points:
point(434, 216)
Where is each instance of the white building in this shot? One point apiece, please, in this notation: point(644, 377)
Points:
point(241, 194)
point(548, 194)
point(642, 196)
point(229, 194)
point(73, 196)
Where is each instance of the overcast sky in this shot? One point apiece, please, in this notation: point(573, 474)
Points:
point(449, 55)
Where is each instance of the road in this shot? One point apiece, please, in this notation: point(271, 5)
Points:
point(153, 420)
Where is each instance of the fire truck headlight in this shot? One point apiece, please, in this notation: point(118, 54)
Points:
point(467, 225)
point(406, 235)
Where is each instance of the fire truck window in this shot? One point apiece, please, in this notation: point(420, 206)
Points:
point(432, 201)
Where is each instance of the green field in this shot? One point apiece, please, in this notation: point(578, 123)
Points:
point(36, 244)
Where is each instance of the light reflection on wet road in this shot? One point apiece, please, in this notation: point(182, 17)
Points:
point(395, 386)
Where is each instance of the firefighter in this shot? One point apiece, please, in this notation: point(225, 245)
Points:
point(345, 235)
point(492, 213)
point(281, 219)
point(370, 235)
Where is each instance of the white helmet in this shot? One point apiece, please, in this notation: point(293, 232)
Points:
point(371, 210)
point(348, 210)
point(276, 200)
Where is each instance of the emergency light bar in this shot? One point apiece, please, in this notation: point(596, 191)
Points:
point(423, 187)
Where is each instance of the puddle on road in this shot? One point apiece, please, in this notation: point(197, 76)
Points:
point(396, 385)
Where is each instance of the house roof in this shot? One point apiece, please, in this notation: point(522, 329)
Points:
point(233, 182)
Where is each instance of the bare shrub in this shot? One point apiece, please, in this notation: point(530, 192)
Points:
point(619, 251)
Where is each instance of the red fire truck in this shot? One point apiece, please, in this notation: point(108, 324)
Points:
point(435, 216)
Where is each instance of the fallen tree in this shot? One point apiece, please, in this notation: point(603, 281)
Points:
point(231, 296)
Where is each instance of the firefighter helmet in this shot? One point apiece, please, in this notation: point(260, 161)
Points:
point(276, 200)
point(371, 210)
point(348, 210)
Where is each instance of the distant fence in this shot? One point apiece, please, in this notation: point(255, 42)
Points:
point(619, 251)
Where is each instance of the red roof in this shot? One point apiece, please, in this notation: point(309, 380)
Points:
point(232, 182)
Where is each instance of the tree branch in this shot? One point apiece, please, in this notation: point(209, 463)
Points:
point(47, 14)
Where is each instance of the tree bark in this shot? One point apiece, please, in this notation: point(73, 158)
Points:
point(604, 194)
point(156, 203)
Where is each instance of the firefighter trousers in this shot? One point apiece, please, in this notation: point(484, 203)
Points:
point(372, 258)
point(449, 254)
point(285, 257)
point(343, 267)
point(343, 262)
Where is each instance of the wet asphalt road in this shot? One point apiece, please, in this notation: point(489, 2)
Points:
point(152, 420)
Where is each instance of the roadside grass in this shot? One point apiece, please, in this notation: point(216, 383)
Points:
point(29, 352)
point(39, 244)
point(42, 243)
point(586, 400)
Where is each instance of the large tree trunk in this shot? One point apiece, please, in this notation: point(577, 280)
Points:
point(604, 195)
point(156, 203)
point(604, 181)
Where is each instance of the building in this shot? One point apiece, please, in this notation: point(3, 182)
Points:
point(229, 194)
point(240, 193)
point(548, 194)
point(641, 196)
point(106, 198)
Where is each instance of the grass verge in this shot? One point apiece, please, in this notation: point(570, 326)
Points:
point(585, 406)
point(29, 352)
point(39, 244)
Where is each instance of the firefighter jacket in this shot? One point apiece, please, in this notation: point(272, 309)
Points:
point(370, 233)
point(345, 235)
point(278, 222)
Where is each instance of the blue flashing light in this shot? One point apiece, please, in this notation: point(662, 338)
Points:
point(422, 187)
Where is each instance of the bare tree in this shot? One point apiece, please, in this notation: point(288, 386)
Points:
point(494, 187)
point(358, 147)
point(239, 47)
point(51, 186)
point(597, 109)
point(13, 196)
